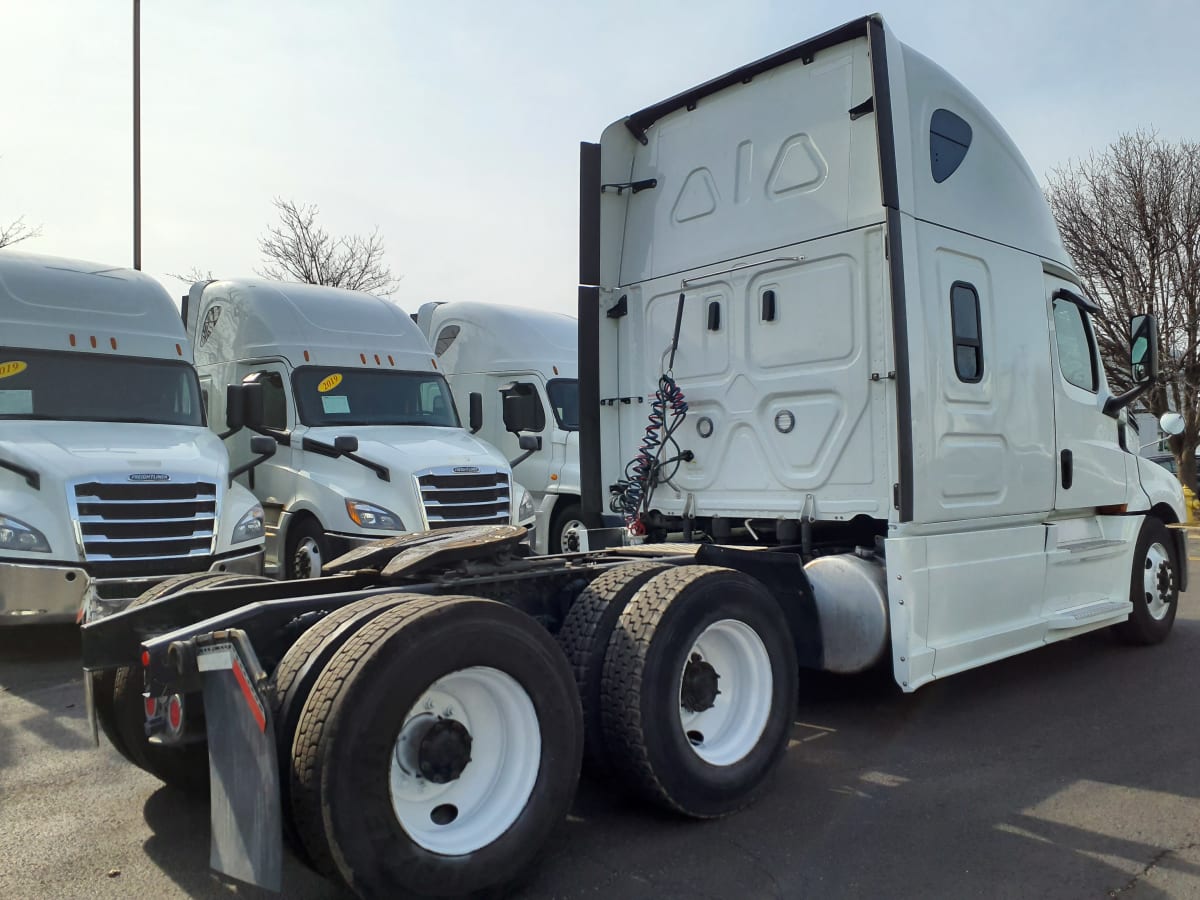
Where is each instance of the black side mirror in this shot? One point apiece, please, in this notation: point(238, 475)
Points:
point(520, 412)
point(262, 445)
point(529, 442)
point(475, 411)
point(234, 413)
point(345, 443)
point(1143, 349)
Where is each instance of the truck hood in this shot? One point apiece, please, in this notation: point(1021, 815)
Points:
point(68, 451)
point(407, 449)
point(63, 453)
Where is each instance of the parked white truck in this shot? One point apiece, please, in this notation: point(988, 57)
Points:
point(829, 337)
point(109, 479)
point(489, 352)
point(370, 443)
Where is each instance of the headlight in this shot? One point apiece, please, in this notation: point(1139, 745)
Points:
point(16, 535)
point(249, 526)
point(526, 510)
point(368, 515)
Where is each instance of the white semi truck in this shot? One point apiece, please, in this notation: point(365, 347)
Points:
point(489, 352)
point(109, 479)
point(370, 443)
point(831, 346)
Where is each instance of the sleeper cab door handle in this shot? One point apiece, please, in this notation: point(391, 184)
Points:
point(1068, 473)
point(714, 316)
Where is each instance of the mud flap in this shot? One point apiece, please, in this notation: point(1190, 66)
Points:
point(247, 836)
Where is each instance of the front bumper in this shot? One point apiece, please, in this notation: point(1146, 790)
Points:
point(53, 594)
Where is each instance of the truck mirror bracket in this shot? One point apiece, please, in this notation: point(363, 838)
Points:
point(31, 476)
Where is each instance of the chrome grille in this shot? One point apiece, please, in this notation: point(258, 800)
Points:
point(123, 521)
point(478, 497)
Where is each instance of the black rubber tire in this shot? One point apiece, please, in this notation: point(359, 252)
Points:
point(641, 686)
point(307, 527)
point(103, 682)
point(564, 512)
point(584, 637)
point(184, 767)
point(1141, 627)
point(343, 748)
point(293, 680)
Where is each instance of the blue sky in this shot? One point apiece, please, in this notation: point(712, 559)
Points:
point(454, 127)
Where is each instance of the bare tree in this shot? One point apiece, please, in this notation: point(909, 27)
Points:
point(16, 231)
point(1130, 218)
point(194, 274)
point(298, 249)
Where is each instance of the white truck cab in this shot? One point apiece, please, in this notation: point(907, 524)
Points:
point(489, 352)
point(369, 440)
point(110, 480)
point(826, 306)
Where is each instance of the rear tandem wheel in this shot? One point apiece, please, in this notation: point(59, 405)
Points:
point(699, 690)
point(437, 751)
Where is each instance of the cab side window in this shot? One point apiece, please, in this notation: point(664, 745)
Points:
point(1076, 348)
point(274, 398)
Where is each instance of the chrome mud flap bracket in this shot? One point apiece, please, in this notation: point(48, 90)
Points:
point(247, 836)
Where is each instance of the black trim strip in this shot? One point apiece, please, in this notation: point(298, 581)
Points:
point(589, 213)
point(804, 51)
point(890, 195)
point(31, 476)
point(591, 485)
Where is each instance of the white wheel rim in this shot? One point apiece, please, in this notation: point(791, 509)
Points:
point(730, 728)
point(309, 550)
point(494, 787)
point(1158, 581)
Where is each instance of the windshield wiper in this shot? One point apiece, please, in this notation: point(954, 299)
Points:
point(329, 450)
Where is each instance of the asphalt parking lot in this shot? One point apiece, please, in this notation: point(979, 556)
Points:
point(1073, 771)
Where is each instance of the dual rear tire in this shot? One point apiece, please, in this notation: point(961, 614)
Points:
point(688, 680)
point(436, 748)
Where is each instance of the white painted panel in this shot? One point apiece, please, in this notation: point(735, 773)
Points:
point(759, 165)
point(983, 449)
point(792, 405)
point(965, 598)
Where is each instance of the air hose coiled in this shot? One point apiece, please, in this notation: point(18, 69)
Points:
point(645, 471)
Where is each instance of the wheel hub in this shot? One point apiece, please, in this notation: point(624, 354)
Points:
point(1164, 579)
point(699, 690)
point(445, 751)
point(308, 559)
point(434, 748)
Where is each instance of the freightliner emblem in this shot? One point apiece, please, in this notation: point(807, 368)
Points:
point(149, 476)
point(466, 470)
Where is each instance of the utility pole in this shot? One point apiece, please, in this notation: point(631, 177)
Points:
point(137, 134)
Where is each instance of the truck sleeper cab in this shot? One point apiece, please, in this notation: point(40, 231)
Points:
point(489, 352)
point(109, 478)
point(370, 443)
point(834, 278)
point(850, 419)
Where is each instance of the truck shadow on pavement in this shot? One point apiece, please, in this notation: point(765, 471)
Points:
point(41, 687)
point(1065, 772)
point(179, 843)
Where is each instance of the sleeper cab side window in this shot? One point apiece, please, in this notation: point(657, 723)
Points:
point(968, 337)
point(949, 141)
point(1076, 358)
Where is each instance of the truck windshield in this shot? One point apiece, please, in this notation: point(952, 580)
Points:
point(94, 387)
point(333, 396)
point(564, 400)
